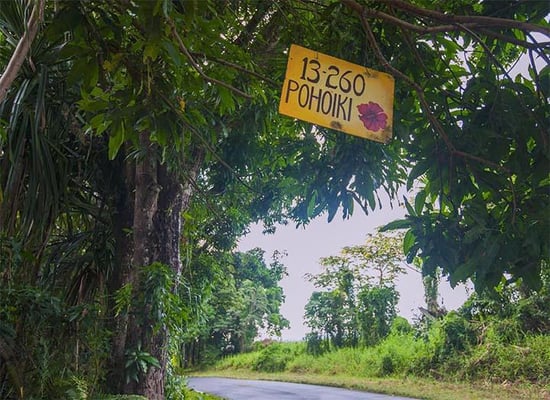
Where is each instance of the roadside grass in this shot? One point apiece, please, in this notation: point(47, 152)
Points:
point(405, 366)
point(413, 387)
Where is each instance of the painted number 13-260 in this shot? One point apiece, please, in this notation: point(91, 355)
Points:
point(346, 82)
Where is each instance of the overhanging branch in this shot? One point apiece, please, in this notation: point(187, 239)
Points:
point(197, 67)
point(478, 20)
point(22, 49)
point(452, 23)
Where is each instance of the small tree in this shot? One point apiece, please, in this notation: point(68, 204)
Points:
point(377, 309)
point(358, 303)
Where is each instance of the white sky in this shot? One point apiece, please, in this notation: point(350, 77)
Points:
point(305, 246)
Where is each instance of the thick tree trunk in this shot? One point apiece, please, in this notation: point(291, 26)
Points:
point(159, 199)
point(123, 272)
point(147, 227)
point(139, 333)
point(166, 238)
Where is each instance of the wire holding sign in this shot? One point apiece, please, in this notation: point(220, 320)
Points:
point(337, 94)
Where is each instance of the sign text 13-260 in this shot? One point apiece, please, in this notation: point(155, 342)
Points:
point(311, 72)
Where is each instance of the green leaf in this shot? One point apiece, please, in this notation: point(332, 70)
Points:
point(397, 224)
point(174, 55)
point(116, 140)
point(412, 253)
point(408, 241)
point(311, 204)
point(150, 52)
point(151, 360)
point(371, 199)
point(418, 170)
point(410, 209)
point(419, 202)
point(462, 273)
point(474, 234)
point(226, 101)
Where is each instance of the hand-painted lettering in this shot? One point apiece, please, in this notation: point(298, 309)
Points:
point(318, 99)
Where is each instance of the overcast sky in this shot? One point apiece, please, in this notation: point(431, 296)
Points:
point(305, 246)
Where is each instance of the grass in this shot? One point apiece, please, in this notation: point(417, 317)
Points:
point(413, 387)
point(405, 366)
point(188, 394)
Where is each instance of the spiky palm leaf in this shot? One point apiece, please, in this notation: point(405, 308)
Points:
point(53, 227)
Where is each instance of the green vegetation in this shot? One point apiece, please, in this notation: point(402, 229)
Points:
point(246, 297)
point(420, 367)
point(358, 300)
point(184, 394)
point(139, 140)
point(500, 338)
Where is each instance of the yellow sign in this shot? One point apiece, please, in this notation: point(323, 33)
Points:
point(337, 94)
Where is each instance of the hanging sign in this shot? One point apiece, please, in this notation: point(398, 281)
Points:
point(337, 94)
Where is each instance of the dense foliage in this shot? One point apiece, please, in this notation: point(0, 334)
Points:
point(244, 301)
point(134, 135)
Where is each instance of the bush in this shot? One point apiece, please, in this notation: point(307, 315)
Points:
point(397, 354)
point(316, 345)
point(400, 326)
point(506, 331)
point(499, 362)
point(239, 361)
point(274, 358)
point(459, 333)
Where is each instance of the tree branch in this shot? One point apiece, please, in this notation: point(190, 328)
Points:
point(261, 11)
point(478, 20)
point(197, 67)
point(352, 4)
point(18, 57)
point(397, 73)
point(207, 146)
point(513, 40)
point(238, 68)
point(419, 91)
point(470, 22)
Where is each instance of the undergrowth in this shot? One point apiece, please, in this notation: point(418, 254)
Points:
point(401, 355)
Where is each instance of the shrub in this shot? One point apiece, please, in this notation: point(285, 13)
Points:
point(499, 362)
point(400, 326)
point(316, 345)
point(397, 354)
point(239, 361)
point(274, 358)
point(505, 331)
point(456, 335)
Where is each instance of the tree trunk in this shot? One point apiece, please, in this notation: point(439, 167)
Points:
point(139, 333)
point(164, 240)
point(123, 272)
point(153, 207)
point(22, 49)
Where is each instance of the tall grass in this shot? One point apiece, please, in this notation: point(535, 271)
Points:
point(403, 354)
point(394, 356)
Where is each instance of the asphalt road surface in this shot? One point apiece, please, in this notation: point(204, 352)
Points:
point(241, 389)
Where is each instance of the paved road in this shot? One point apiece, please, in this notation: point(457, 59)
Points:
point(241, 389)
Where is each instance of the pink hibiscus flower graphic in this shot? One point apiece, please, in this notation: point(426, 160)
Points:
point(373, 116)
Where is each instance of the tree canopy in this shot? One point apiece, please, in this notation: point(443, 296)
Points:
point(134, 132)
